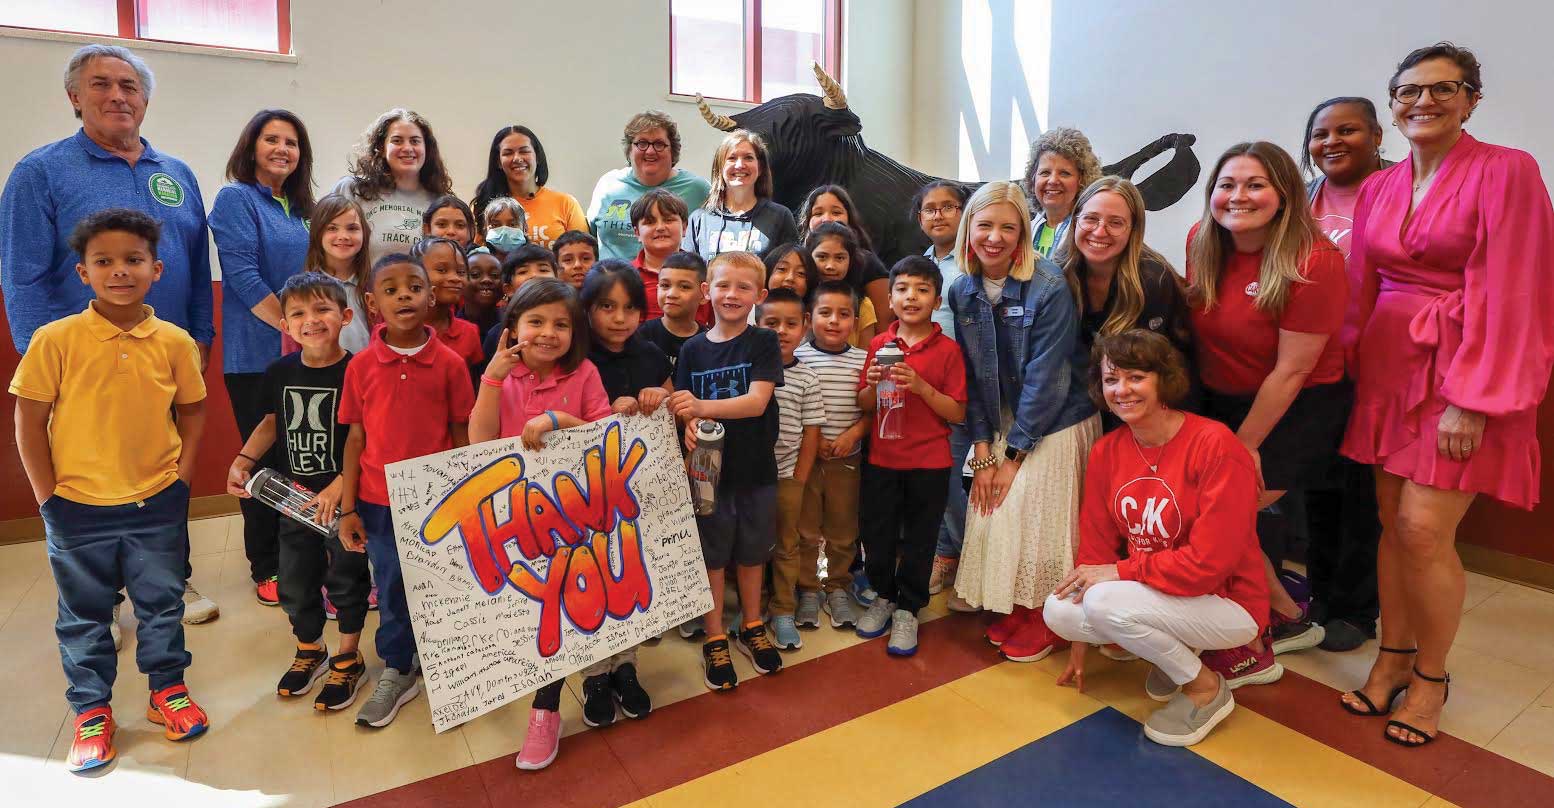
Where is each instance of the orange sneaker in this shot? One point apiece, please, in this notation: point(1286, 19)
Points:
point(180, 717)
point(92, 746)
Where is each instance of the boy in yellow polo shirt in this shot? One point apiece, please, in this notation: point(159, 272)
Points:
point(109, 467)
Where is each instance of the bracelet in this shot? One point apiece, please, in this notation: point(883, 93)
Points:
point(490, 382)
point(249, 459)
point(554, 424)
point(984, 463)
point(344, 514)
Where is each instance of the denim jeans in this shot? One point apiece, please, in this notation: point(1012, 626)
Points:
point(93, 551)
point(952, 533)
point(395, 638)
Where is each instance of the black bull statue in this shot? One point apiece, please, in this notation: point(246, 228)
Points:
point(816, 140)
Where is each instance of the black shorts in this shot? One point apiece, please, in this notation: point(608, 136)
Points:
point(743, 529)
point(1301, 450)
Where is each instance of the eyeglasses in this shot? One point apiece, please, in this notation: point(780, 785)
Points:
point(933, 213)
point(650, 145)
point(1440, 91)
point(1093, 221)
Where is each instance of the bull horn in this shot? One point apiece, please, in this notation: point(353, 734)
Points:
point(835, 98)
point(722, 122)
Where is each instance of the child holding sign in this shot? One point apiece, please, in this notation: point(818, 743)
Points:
point(540, 379)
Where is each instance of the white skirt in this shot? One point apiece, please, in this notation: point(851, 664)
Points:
point(1020, 553)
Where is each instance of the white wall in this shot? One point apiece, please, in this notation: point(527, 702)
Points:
point(573, 72)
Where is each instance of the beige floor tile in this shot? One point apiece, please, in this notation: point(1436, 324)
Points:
point(1480, 588)
point(366, 760)
point(21, 565)
point(29, 660)
point(1529, 739)
point(1340, 671)
point(1488, 693)
point(208, 536)
point(1515, 623)
point(500, 733)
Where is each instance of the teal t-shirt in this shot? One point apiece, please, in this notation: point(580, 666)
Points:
point(609, 211)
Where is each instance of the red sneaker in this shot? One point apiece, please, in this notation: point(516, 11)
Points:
point(1033, 642)
point(1243, 666)
point(179, 716)
point(372, 598)
point(268, 591)
point(1004, 627)
point(92, 746)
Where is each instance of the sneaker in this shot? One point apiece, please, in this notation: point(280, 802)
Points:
point(807, 615)
point(347, 676)
point(541, 742)
point(1243, 666)
point(307, 667)
point(92, 745)
point(1294, 633)
point(876, 619)
point(840, 609)
point(394, 690)
point(1033, 642)
point(598, 701)
point(785, 633)
point(634, 701)
point(115, 631)
point(1183, 723)
point(180, 717)
point(372, 598)
point(329, 606)
point(1117, 653)
point(268, 591)
point(1159, 686)
point(943, 574)
point(720, 673)
point(1000, 630)
point(196, 607)
point(754, 643)
point(1297, 586)
point(903, 634)
point(1339, 634)
point(692, 628)
point(861, 590)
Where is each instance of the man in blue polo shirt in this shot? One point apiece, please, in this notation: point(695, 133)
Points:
point(105, 164)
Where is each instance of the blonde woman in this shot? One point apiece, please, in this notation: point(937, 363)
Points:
point(739, 214)
point(1030, 420)
point(1060, 166)
point(1118, 282)
point(1268, 293)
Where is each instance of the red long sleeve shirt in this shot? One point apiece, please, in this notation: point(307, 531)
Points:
point(1188, 529)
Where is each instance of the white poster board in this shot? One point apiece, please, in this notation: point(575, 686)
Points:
point(603, 554)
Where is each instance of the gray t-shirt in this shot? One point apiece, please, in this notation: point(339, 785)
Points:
point(395, 217)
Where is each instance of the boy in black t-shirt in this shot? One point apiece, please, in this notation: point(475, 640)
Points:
point(728, 374)
point(682, 284)
point(301, 402)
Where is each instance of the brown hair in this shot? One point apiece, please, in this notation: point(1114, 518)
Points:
point(370, 168)
point(325, 211)
point(242, 165)
point(1472, 72)
point(1143, 350)
point(1070, 144)
point(544, 291)
point(763, 182)
point(652, 119)
point(665, 201)
point(1129, 303)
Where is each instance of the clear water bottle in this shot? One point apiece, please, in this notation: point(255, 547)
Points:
point(706, 466)
point(889, 398)
point(289, 497)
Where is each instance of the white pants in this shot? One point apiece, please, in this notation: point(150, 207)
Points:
point(1163, 629)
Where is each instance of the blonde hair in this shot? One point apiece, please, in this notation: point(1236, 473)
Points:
point(1023, 265)
point(1292, 235)
point(1070, 144)
point(1129, 303)
point(763, 161)
point(738, 259)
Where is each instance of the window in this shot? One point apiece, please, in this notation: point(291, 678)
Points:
point(750, 50)
point(261, 25)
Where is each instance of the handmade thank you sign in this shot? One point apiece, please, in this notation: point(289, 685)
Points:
point(522, 567)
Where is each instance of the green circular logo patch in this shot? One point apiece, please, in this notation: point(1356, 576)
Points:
point(165, 189)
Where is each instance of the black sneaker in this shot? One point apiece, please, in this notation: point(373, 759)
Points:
point(598, 701)
point(754, 643)
point(633, 699)
point(720, 665)
point(306, 669)
point(347, 676)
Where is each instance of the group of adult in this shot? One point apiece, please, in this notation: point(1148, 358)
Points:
point(1369, 323)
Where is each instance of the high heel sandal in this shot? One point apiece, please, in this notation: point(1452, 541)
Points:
point(1371, 710)
point(1445, 679)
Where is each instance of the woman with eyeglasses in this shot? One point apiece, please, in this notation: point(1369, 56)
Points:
point(1453, 356)
point(652, 145)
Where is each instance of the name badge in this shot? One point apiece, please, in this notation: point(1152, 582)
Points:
point(1014, 311)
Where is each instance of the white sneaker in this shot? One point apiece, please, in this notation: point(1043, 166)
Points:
point(196, 607)
point(114, 630)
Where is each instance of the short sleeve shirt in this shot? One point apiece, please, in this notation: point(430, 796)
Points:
point(463, 337)
point(839, 373)
point(667, 341)
point(638, 365)
point(577, 392)
point(723, 370)
point(306, 402)
point(925, 437)
point(798, 408)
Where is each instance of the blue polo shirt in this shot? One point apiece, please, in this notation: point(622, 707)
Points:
point(949, 270)
point(53, 188)
point(261, 243)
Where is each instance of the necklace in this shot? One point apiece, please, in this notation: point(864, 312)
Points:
point(1154, 468)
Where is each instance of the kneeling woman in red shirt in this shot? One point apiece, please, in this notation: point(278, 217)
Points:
point(1168, 553)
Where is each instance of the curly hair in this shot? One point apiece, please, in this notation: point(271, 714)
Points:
point(1068, 143)
point(652, 119)
point(370, 168)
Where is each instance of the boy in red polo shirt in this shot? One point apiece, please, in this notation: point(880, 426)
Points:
point(407, 395)
point(906, 482)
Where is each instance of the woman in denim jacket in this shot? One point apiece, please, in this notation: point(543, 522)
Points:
point(1031, 422)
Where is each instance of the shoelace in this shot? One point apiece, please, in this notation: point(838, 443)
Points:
point(302, 664)
point(384, 691)
point(190, 593)
point(761, 642)
point(338, 676)
point(92, 730)
point(720, 655)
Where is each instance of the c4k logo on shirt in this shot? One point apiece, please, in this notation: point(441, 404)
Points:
point(165, 189)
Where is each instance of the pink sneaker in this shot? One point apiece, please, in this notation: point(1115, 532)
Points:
point(329, 606)
point(1243, 666)
point(372, 599)
point(542, 742)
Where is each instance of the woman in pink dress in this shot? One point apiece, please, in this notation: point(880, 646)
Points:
point(1455, 342)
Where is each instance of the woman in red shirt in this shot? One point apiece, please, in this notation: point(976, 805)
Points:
point(1267, 291)
point(1168, 555)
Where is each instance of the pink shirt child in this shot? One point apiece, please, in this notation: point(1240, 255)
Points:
point(578, 393)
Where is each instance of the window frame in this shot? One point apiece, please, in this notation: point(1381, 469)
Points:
point(129, 30)
point(831, 49)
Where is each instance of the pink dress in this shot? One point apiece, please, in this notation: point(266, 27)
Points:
point(1456, 307)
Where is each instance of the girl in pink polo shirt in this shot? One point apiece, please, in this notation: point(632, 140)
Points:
point(538, 380)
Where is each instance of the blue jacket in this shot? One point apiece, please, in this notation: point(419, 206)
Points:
point(260, 245)
point(53, 188)
point(1019, 349)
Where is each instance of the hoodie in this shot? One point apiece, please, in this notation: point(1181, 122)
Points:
point(714, 230)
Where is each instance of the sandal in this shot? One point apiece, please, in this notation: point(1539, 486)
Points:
point(1445, 679)
point(1371, 710)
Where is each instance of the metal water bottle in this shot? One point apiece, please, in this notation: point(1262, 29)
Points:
point(290, 498)
point(706, 466)
point(889, 399)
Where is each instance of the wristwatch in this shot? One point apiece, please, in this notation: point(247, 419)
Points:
point(1011, 453)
